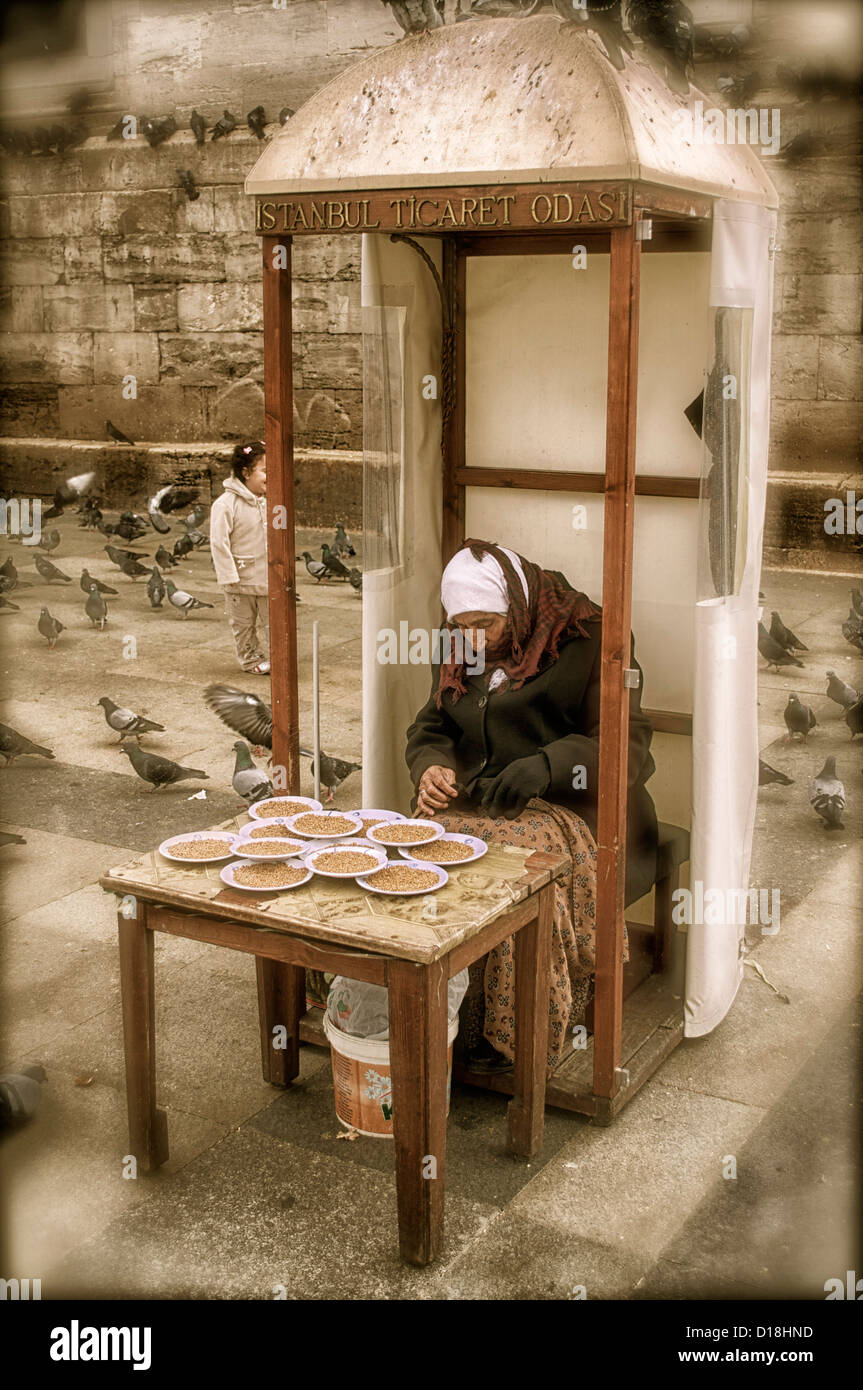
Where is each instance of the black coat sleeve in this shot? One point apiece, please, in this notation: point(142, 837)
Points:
point(431, 738)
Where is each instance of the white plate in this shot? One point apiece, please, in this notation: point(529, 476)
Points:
point(478, 846)
point(307, 801)
point(227, 876)
point(406, 844)
point(165, 846)
point(379, 815)
point(336, 835)
point(368, 881)
point(245, 849)
point(377, 859)
point(277, 825)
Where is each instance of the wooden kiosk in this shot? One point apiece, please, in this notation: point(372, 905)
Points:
point(518, 138)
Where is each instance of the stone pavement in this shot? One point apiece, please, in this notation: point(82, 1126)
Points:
point(260, 1191)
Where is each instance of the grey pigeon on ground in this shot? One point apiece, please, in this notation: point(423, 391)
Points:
point(184, 545)
point(827, 796)
point(165, 559)
point(49, 541)
point(87, 581)
point(248, 781)
point(342, 542)
point(195, 517)
point(840, 693)
point(155, 588)
point(243, 712)
point(773, 653)
point(125, 721)
point(799, 719)
point(14, 745)
point(117, 555)
point(96, 608)
point(133, 568)
point(50, 572)
point(9, 572)
point(316, 568)
point(784, 636)
point(768, 775)
point(20, 1094)
point(182, 600)
point(198, 539)
point(7, 607)
point(854, 718)
point(159, 772)
point(332, 564)
point(852, 630)
point(334, 771)
point(49, 627)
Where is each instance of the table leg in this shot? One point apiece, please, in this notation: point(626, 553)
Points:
point(281, 1005)
point(148, 1126)
point(526, 1110)
point(418, 1065)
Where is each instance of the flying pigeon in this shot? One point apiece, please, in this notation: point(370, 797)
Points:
point(827, 796)
point(165, 559)
point(20, 1094)
point(224, 126)
point(156, 131)
point(773, 653)
point(316, 568)
point(133, 568)
point(87, 581)
point(666, 27)
point(799, 719)
point(248, 781)
point(179, 598)
point(332, 564)
point(172, 498)
point(155, 588)
point(841, 694)
point(187, 182)
point(854, 718)
point(243, 712)
point(50, 572)
point(417, 16)
point(342, 544)
point(49, 541)
point(68, 492)
point(158, 523)
point(50, 628)
point(117, 435)
point(183, 545)
point(784, 636)
point(334, 771)
point(96, 608)
point(14, 745)
point(159, 772)
point(852, 630)
point(256, 121)
point(198, 126)
point(126, 722)
point(768, 774)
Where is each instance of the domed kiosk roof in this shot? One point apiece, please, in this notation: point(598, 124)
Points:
point(503, 101)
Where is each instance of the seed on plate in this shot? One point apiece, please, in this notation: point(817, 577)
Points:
point(269, 809)
point(266, 832)
point(402, 878)
point(402, 833)
point(342, 861)
point(200, 849)
point(272, 847)
point(369, 821)
point(311, 824)
point(269, 875)
point(444, 852)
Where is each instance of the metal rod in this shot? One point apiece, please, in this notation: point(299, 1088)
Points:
point(316, 710)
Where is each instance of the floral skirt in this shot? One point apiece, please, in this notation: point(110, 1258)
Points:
point(555, 830)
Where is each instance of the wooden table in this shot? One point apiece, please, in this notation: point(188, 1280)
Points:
point(411, 945)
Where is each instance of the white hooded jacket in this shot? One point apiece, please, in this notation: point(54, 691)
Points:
point(238, 539)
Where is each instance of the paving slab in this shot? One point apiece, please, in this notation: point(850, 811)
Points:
point(50, 865)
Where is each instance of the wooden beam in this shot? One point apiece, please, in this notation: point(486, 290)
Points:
point(674, 201)
point(565, 480)
point(279, 426)
point(616, 624)
point(532, 244)
point(666, 721)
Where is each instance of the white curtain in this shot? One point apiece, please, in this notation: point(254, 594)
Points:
point(731, 523)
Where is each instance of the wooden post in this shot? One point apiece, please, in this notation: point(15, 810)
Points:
point(453, 394)
point(281, 1004)
point(279, 437)
point(148, 1126)
point(616, 626)
point(526, 1111)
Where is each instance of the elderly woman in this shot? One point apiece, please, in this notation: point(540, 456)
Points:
point(511, 754)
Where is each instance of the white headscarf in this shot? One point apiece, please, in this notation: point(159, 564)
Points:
point(477, 586)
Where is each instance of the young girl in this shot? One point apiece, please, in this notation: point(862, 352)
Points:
point(238, 541)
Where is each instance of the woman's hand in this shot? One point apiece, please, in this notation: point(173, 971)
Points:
point(510, 792)
point(436, 790)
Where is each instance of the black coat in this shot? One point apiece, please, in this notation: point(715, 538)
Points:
point(555, 712)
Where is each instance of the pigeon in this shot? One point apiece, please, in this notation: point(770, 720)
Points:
point(172, 498)
point(184, 545)
point(198, 539)
point(117, 435)
point(768, 774)
point(246, 714)
point(159, 772)
point(90, 517)
point(248, 781)
point(49, 541)
point(854, 718)
point(827, 796)
point(334, 771)
point(342, 544)
point(78, 101)
point(50, 572)
point(125, 721)
point(6, 606)
point(195, 517)
point(773, 653)
point(739, 89)
point(96, 608)
point(356, 580)
point(87, 582)
point(857, 602)
point(69, 492)
point(133, 568)
point(155, 588)
point(49, 627)
point(128, 529)
point(20, 1094)
point(187, 182)
point(156, 131)
point(417, 16)
point(165, 559)
point(852, 630)
point(9, 572)
point(198, 127)
point(118, 131)
point(14, 745)
point(799, 719)
point(256, 121)
point(158, 523)
point(784, 636)
point(667, 27)
point(117, 555)
point(604, 17)
point(841, 694)
point(285, 114)
point(179, 598)
point(316, 568)
point(7, 839)
point(224, 126)
point(332, 564)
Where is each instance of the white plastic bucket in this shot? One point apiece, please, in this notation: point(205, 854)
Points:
point(362, 1082)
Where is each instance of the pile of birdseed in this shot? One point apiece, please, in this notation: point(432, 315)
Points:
point(269, 809)
point(345, 861)
point(402, 878)
point(269, 875)
point(324, 825)
point(402, 833)
point(200, 849)
point(444, 852)
point(272, 847)
point(265, 832)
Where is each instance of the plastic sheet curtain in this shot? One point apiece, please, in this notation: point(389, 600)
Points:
point(731, 520)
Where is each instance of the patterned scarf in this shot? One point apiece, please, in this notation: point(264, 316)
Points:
point(553, 609)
